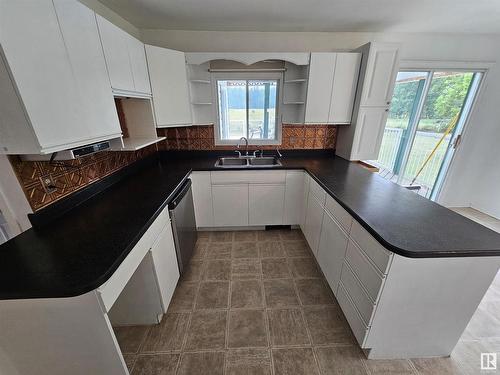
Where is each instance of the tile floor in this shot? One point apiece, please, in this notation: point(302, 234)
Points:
point(255, 302)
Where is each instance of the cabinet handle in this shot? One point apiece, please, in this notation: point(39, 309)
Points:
point(388, 103)
point(387, 109)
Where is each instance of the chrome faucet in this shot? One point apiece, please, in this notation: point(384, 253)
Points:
point(246, 145)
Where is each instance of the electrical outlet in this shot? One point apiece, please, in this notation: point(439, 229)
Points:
point(48, 183)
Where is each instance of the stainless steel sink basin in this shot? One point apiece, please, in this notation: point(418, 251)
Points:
point(231, 162)
point(247, 162)
point(264, 161)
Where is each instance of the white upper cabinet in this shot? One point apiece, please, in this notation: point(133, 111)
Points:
point(345, 82)
point(53, 64)
point(139, 65)
point(362, 140)
point(319, 89)
point(115, 45)
point(169, 84)
point(381, 71)
point(333, 79)
point(125, 59)
point(81, 37)
point(370, 126)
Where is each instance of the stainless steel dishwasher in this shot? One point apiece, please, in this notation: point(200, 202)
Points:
point(181, 210)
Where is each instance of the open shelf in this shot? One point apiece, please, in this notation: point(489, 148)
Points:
point(137, 124)
point(294, 103)
point(134, 144)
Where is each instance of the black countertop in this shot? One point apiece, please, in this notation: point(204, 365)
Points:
point(80, 250)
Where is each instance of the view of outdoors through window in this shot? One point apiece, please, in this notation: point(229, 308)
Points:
point(247, 108)
point(427, 112)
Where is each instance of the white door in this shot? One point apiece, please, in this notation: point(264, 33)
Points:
point(370, 126)
point(293, 212)
point(167, 69)
point(36, 54)
point(331, 252)
point(165, 263)
point(139, 65)
point(345, 82)
point(313, 221)
point(115, 45)
point(319, 88)
point(380, 75)
point(79, 28)
point(230, 203)
point(202, 199)
point(265, 204)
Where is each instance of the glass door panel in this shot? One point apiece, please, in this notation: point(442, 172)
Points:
point(440, 114)
point(427, 115)
point(407, 94)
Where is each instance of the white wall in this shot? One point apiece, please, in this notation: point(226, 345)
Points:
point(474, 176)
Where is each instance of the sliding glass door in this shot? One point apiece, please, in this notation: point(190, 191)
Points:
point(427, 116)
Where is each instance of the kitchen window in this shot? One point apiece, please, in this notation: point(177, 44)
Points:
point(248, 107)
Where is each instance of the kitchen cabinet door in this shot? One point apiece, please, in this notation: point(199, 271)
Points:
point(293, 212)
point(319, 88)
point(370, 125)
point(81, 36)
point(51, 76)
point(265, 204)
point(202, 199)
point(230, 204)
point(345, 82)
point(313, 221)
point(165, 264)
point(115, 45)
point(139, 66)
point(169, 85)
point(380, 76)
point(331, 251)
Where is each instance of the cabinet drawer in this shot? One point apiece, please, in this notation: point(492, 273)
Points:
point(244, 177)
point(364, 270)
point(357, 325)
point(339, 213)
point(317, 191)
point(361, 300)
point(375, 251)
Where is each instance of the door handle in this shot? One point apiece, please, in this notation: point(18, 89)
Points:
point(457, 141)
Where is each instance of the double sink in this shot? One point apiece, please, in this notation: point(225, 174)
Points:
point(247, 162)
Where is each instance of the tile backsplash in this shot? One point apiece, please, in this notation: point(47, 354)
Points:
point(201, 137)
point(69, 176)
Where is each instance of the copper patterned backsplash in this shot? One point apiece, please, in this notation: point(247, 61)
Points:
point(201, 137)
point(70, 176)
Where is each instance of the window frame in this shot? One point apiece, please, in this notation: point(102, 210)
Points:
point(223, 76)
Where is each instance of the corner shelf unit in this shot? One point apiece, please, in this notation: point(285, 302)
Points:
point(294, 93)
point(201, 94)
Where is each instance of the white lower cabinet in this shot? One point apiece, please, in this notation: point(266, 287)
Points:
point(265, 204)
point(293, 212)
point(331, 252)
point(230, 204)
point(202, 199)
point(313, 220)
point(165, 264)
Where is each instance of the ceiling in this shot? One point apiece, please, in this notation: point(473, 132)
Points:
point(450, 16)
